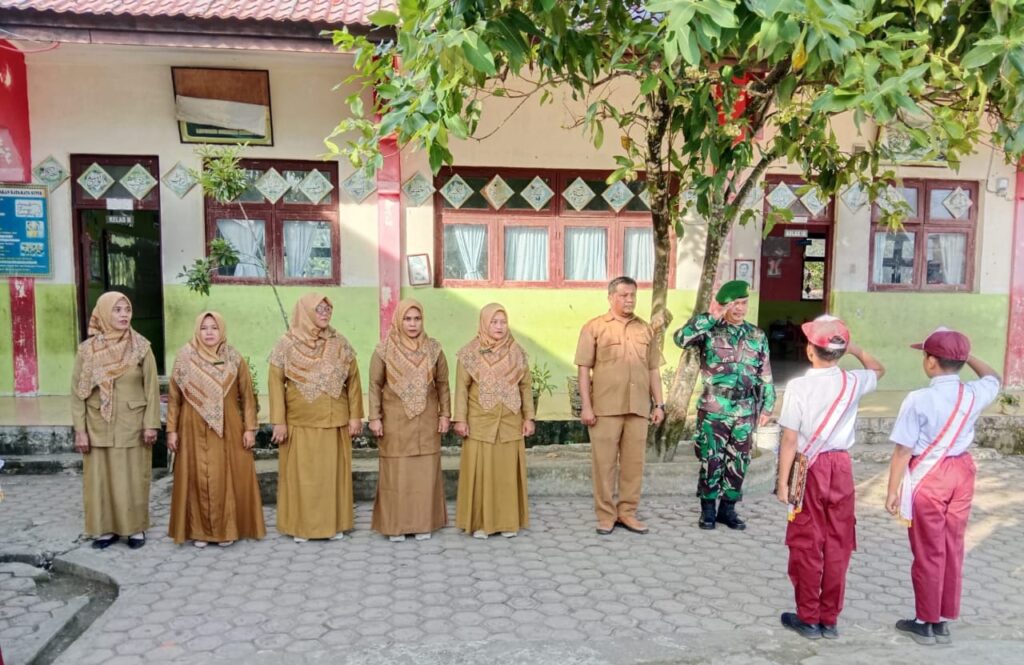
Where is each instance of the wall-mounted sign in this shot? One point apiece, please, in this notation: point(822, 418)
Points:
point(222, 105)
point(796, 233)
point(24, 230)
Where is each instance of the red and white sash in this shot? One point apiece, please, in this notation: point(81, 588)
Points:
point(923, 464)
point(835, 414)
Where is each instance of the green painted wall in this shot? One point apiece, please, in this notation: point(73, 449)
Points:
point(886, 323)
point(254, 322)
point(56, 336)
point(798, 311)
point(6, 350)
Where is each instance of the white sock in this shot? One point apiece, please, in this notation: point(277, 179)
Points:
point(918, 621)
point(510, 534)
point(106, 536)
point(397, 539)
point(300, 540)
point(422, 536)
point(338, 536)
point(944, 619)
point(137, 536)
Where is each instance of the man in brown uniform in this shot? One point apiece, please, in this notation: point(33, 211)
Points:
point(618, 375)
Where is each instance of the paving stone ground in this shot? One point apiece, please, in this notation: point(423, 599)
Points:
point(556, 594)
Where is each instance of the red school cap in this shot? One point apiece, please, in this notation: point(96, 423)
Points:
point(827, 332)
point(946, 343)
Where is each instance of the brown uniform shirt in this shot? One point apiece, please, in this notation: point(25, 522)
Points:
point(136, 407)
point(620, 356)
point(498, 425)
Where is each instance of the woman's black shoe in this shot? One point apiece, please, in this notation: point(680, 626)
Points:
point(136, 543)
point(104, 543)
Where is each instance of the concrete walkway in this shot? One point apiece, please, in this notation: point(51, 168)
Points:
point(556, 594)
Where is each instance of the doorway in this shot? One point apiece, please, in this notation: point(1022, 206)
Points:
point(118, 244)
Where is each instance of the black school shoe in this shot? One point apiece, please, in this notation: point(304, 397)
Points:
point(104, 543)
point(136, 543)
point(941, 630)
point(829, 631)
point(809, 630)
point(921, 633)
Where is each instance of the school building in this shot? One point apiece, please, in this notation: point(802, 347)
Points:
point(103, 105)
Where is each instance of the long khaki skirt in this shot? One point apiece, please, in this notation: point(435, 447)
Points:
point(410, 496)
point(492, 487)
point(314, 483)
point(115, 489)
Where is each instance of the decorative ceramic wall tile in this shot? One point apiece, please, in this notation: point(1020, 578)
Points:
point(179, 180)
point(456, 191)
point(95, 181)
point(617, 196)
point(753, 198)
point(418, 189)
point(272, 185)
point(891, 200)
point(578, 194)
point(812, 201)
point(358, 186)
point(139, 181)
point(645, 197)
point(315, 186)
point(855, 198)
point(49, 172)
point(497, 192)
point(782, 196)
point(537, 193)
point(958, 203)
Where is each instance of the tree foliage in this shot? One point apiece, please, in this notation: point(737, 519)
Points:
point(720, 89)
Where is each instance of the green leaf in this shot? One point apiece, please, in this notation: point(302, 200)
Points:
point(384, 18)
point(981, 55)
point(649, 85)
point(479, 54)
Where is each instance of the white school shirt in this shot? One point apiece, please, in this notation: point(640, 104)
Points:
point(807, 399)
point(924, 412)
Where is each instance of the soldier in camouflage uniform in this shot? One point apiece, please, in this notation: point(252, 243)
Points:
point(738, 396)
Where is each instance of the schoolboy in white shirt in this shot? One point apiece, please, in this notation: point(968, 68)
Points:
point(931, 477)
point(819, 412)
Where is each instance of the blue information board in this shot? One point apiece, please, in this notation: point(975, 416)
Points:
point(24, 230)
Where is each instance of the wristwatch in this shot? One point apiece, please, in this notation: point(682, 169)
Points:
point(659, 406)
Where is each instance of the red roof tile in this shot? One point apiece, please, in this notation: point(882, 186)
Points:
point(342, 12)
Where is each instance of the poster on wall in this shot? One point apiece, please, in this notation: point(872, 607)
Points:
point(222, 105)
point(24, 231)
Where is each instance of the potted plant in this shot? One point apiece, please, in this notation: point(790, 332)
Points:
point(540, 378)
point(1009, 403)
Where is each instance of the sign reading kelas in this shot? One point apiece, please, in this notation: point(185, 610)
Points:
point(24, 231)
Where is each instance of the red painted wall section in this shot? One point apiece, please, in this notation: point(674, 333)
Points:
point(15, 138)
point(1014, 370)
point(23, 334)
point(389, 231)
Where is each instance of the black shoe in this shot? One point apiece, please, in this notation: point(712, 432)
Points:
point(104, 543)
point(707, 514)
point(829, 632)
point(921, 633)
point(941, 631)
point(136, 543)
point(809, 630)
point(727, 515)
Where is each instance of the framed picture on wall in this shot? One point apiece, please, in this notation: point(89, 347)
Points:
point(419, 269)
point(743, 269)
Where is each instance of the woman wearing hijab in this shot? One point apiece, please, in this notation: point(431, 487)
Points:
point(493, 414)
point(316, 407)
point(115, 408)
point(211, 425)
point(410, 407)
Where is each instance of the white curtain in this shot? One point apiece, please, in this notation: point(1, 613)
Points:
point(952, 255)
point(298, 247)
point(638, 254)
point(526, 254)
point(586, 254)
point(470, 241)
point(248, 239)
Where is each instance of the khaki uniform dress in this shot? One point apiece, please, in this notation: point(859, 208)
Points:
point(118, 467)
point(408, 393)
point(620, 355)
point(314, 486)
point(216, 495)
point(492, 470)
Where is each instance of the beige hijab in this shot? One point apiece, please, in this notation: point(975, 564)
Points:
point(410, 361)
point(496, 366)
point(205, 373)
point(108, 353)
point(315, 359)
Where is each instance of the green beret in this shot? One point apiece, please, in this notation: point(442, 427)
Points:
point(734, 290)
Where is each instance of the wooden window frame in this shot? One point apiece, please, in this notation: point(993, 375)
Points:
point(921, 226)
point(557, 217)
point(274, 217)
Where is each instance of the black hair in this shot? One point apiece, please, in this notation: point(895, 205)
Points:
point(612, 285)
point(828, 355)
point(948, 364)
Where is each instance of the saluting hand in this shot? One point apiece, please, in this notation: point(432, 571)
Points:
point(82, 443)
point(717, 310)
point(149, 436)
point(280, 435)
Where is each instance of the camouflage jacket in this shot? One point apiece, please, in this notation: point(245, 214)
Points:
point(733, 363)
